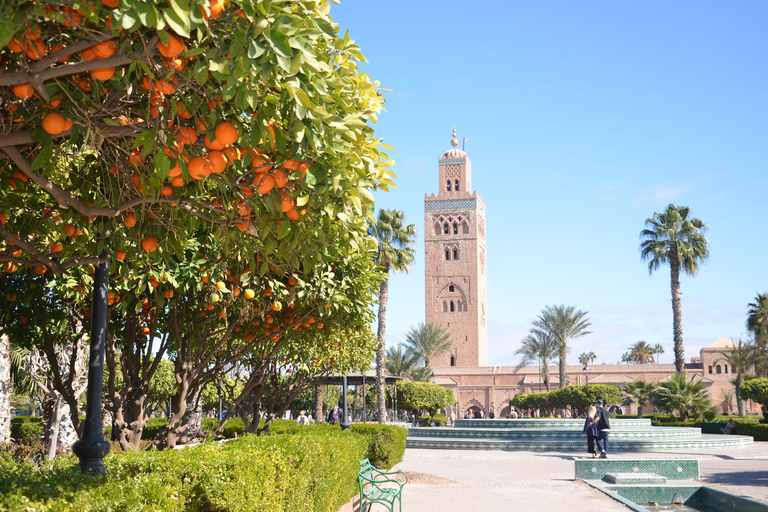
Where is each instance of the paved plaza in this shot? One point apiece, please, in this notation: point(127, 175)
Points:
point(448, 480)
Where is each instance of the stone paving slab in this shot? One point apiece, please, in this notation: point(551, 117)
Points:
point(459, 480)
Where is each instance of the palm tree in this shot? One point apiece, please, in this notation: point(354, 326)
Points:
point(586, 358)
point(757, 324)
point(681, 395)
point(563, 324)
point(400, 361)
point(637, 392)
point(675, 238)
point(658, 349)
point(541, 346)
point(428, 341)
point(741, 358)
point(395, 253)
point(639, 353)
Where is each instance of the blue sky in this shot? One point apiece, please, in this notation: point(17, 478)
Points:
point(585, 118)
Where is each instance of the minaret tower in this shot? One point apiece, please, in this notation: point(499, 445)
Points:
point(454, 249)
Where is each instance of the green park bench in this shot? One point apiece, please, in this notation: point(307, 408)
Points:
point(380, 487)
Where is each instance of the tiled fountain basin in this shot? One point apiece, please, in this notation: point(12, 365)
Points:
point(695, 496)
point(617, 434)
point(535, 423)
point(577, 445)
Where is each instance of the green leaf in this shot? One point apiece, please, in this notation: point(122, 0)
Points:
point(315, 175)
point(178, 22)
point(162, 165)
point(283, 230)
point(255, 49)
point(201, 71)
point(147, 15)
point(280, 43)
point(302, 200)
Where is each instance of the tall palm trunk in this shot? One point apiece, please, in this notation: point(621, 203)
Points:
point(5, 389)
point(677, 311)
point(739, 402)
point(563, 355)
point(319, 396)
point(381, 402)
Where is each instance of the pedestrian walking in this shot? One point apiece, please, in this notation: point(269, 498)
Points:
point(604, 426)
point(591, 429)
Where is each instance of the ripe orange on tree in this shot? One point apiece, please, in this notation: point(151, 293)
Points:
point(174, 47)
point(149, 244)
point(54, 123)
point(226, 133)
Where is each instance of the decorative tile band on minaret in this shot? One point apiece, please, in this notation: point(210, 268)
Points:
point(455, 249)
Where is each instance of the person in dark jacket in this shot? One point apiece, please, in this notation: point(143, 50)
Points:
point(334, 415)
point(604, 425)
point(591, 429)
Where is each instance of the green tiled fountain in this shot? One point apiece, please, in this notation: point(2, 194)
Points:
point(546, 434)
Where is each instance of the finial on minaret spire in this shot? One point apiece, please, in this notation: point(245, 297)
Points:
point(454, 142)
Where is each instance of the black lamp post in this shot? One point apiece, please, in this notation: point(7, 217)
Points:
point(586, 375)
point(345, 417)
point(92, 448)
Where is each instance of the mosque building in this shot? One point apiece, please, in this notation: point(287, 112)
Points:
point(456, 298)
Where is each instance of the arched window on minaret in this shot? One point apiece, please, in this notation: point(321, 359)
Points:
point(450, 288)
point(445, 228)
point(437, 229)
point(445, 309)
point(455, 254)
point(453, 360)
point(465, 228)
point(456, 185)
point(447, 255)
point(448, 185)
point(455, 229)
point(452, 307)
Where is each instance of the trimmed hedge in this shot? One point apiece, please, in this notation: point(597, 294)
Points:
point(311, 471)
point(155, 425)
point(26, 429)
point(757, 430)
point(440, 420)
point(386, 443)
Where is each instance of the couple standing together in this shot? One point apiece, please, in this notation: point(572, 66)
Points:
point(597, 426)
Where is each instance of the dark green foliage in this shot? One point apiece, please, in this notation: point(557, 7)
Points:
point(423, 396)
point(313, 471)
point(386, 443)
point(233, 428)
point(577, 398)
point(26, 429)
point(439, 419)
point(759, 431)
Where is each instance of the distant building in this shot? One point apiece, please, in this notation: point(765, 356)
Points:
point(457, 299)
point(491, 387)
point(454, 253)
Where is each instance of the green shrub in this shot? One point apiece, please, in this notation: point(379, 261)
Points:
point(759, 431)
point(310, 471)
point(386, 443)
point(234, 427)
point(26, 429)
point(426, 421)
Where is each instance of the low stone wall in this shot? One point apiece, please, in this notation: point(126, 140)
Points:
point(671, 469)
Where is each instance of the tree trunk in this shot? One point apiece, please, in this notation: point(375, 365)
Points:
point(67, 434)
point(563, 361)
point(53, 429)
point(639, 411)
point(319, 395)
point(677, 312)
point(5, 389)
point(381, 397)
point(739, 402)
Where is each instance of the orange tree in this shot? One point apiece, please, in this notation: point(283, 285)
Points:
point(212, 315)
point(188, 116)
point(137, 126)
